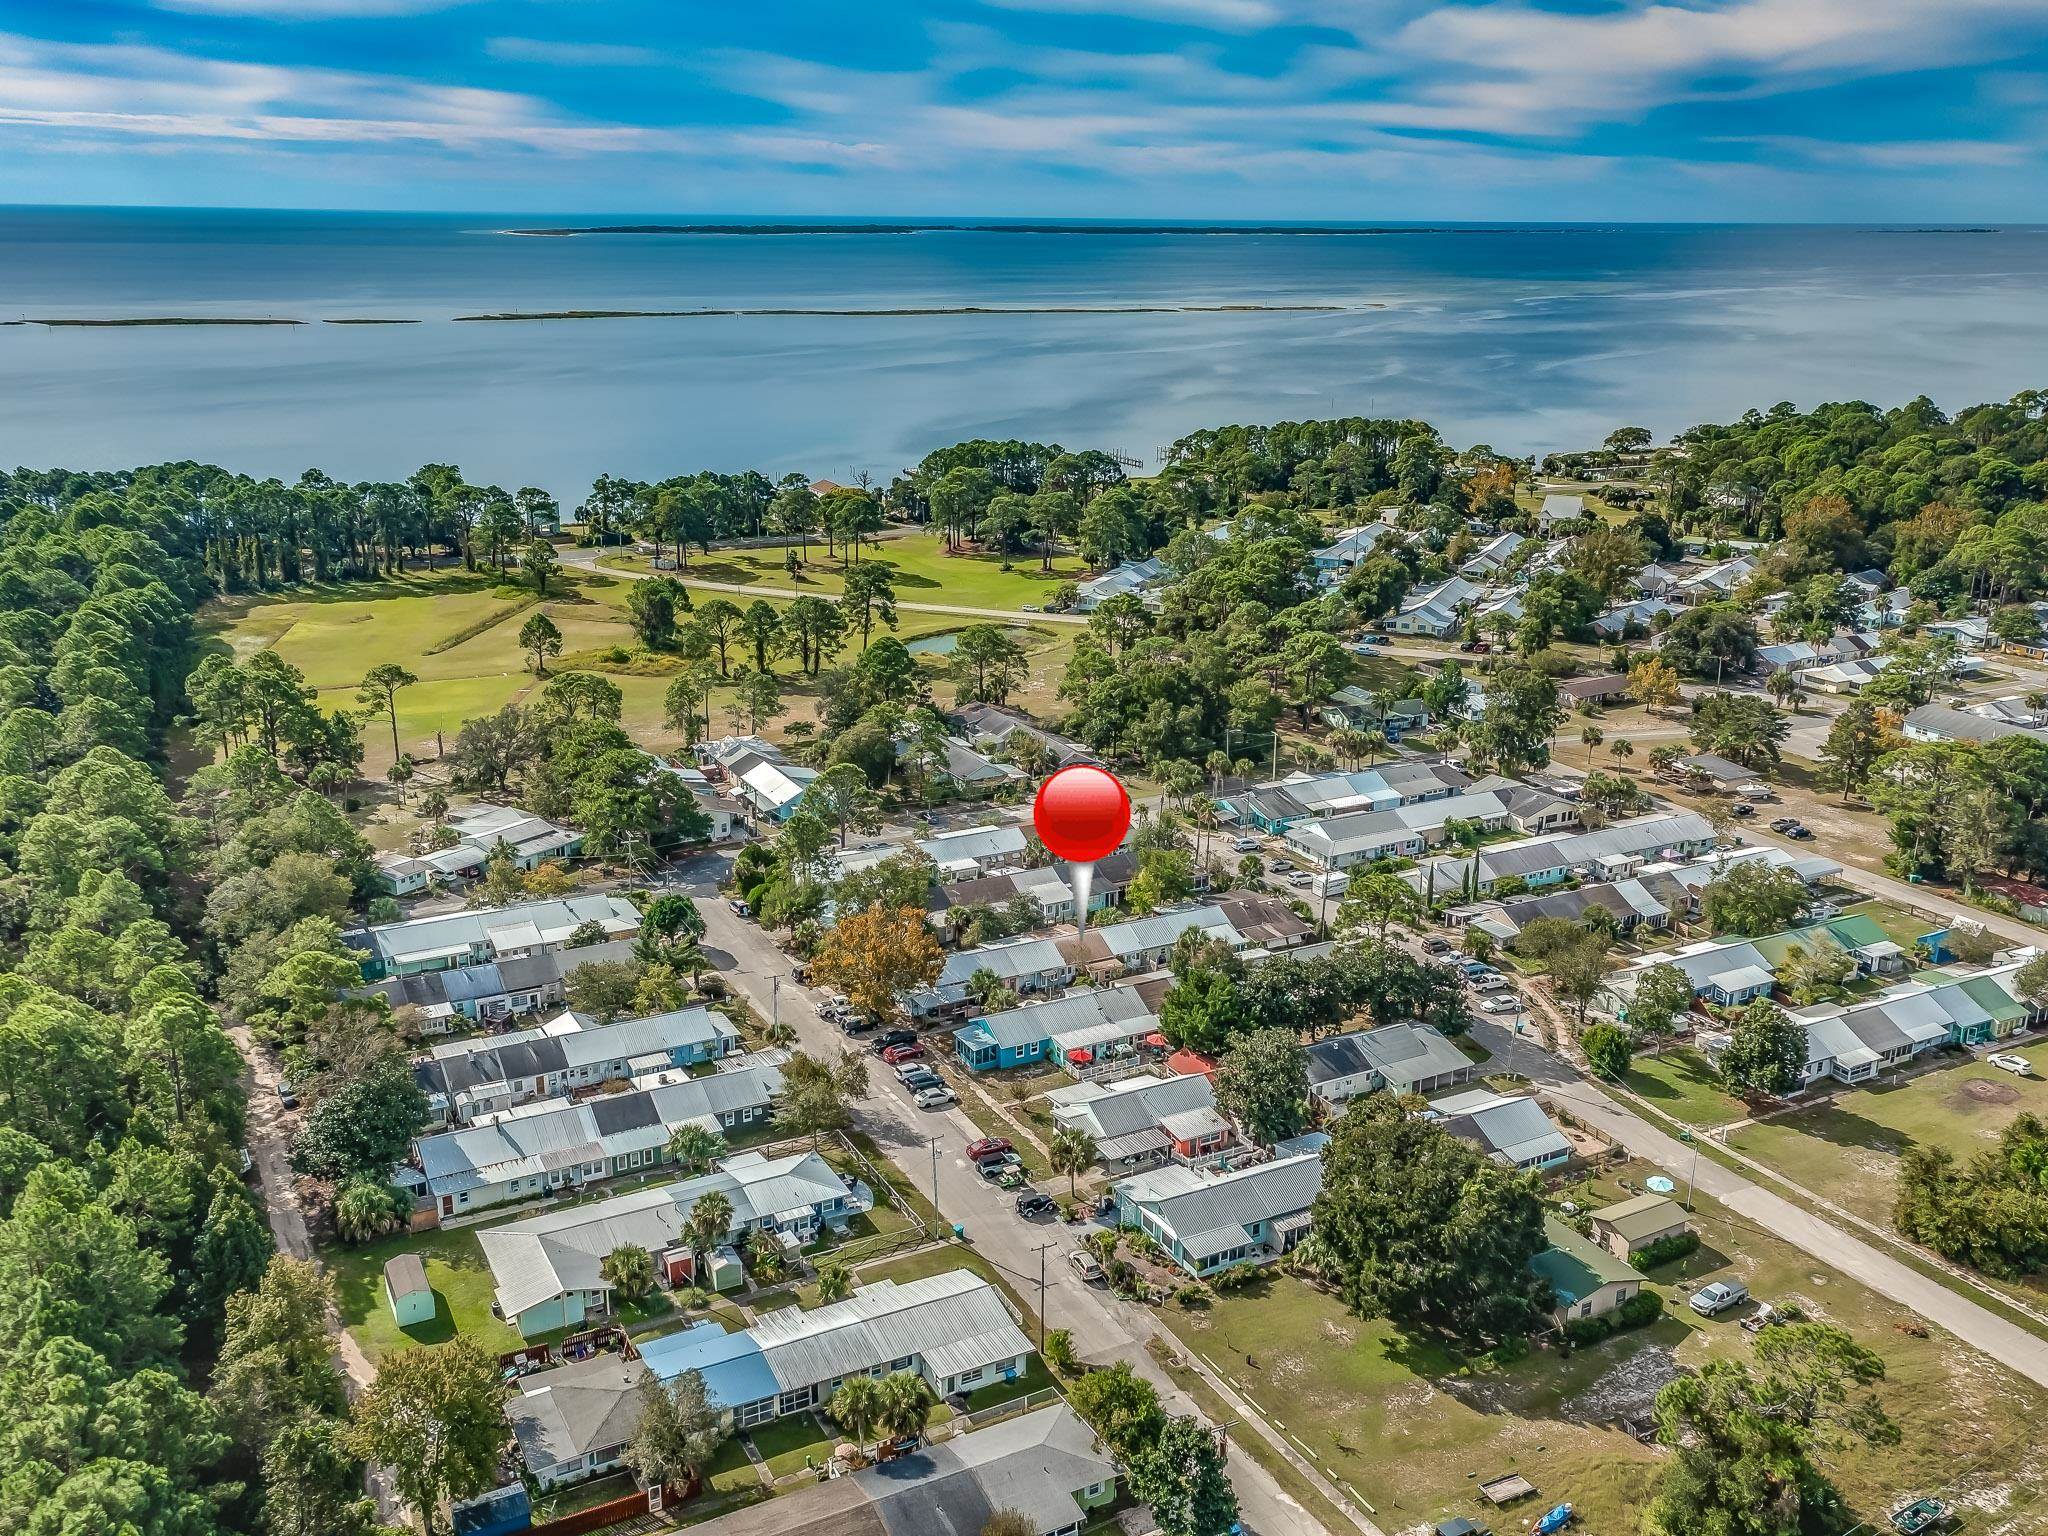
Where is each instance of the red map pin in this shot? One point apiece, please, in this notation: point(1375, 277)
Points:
point(1082, 813)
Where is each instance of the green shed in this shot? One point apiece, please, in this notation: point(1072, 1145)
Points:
point(406, 1290)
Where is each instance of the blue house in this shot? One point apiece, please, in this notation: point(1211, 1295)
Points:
point(1036, 1032)
point(1250, 1216)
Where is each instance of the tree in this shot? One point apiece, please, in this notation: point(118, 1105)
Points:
point(905, 1404)
point(381, 685)
point(762, 628)
point(1590, 736)
point(815, 1094)
point(1753, 898)
point(1424, 1230)
point(234, 1244)
point(1120, 1406)
point(693, 1148)
point(603, 988)
point(1608, 1048)
point(834, 1281)
point(709, 1223)
point(1072, 1152)
point(1180, 1477)
point(540, 639)
point(687, 702)
point(1739, 727)
point(435, 1417)
point(71, 1266)
point(366, 1206)
point(1263, 1084)
point(1710, 641)
point(868, 597)
point(1009, 1522)
point(1818, 975)
point(277, 1359)
point(1855, 742)
point(312, 1484)
point(1653, 683)
point(1377, 901)
point(629, 1269)
point(541, 565)
point(1663, 994)
point(875, 956)
point(721, 620)
point(841, 795)
point(856, 1405)
point(1766, 1052)
point(1743, 1435)
point(757, 699)
point(364, 1126)
point(651, 607)
point(1521, 715)
point(1578, 970)
point(987, 664)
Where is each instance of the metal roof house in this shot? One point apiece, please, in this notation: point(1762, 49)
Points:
point(1134, 578)
point(1854, 1042)
point(1587, 1280)
point(1629, 1226)
point(1433, 611)
point(1342, 842)
point(1147, 1118)
point(1939, 722)
point(972, 851)
point(1023, 965)
point(1349, 550)
point(487, 934)
point(1211, 1222)
point(1105, 1022)
point(467, 1078)
point(495, 990)
point(554, 1144)
point(548, 1268)
point(1281, 803)
point(1512, 1129)
point(1250, 925)
point(1403, 1058)
point(1609, 853)
point(953, 1329)
point(996, 724)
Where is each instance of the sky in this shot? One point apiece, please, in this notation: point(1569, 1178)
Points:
point(1802, 110)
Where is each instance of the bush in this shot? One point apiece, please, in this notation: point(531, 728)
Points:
point(1509, 1351)
point(1665, 1250)
point(1194, 1295)
point(1235, 1278)
point(1643, 1307)
point(1587, 1330)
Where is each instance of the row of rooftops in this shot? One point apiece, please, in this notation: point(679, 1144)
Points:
point(1615, 849)
point(489, 933)
point(566, 1043)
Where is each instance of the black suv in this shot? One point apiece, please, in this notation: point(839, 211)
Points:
point(889, 1037)
point(1035, 1202)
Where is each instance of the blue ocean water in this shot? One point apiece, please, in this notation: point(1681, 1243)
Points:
point(1527, 338)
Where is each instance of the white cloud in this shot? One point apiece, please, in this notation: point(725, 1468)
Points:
point(540, 50)
point(1230, 15)
point(309, 10)
point(1902, 155)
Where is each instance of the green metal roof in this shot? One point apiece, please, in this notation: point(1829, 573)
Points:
point(1993, 999)
point(1574, 1265)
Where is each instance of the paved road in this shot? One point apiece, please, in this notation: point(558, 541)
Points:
point(586, 559)
point(1104, 1330)
point(1557, 1080)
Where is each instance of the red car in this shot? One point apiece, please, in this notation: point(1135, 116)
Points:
point(988, 1146)
point(896, 1053)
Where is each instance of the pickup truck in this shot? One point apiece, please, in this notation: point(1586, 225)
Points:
point(1713, 1300)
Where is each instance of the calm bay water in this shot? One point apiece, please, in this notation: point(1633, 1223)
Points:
point(1529, 339)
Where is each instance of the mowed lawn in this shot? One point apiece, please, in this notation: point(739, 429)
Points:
point(1414, 1432)
point(1681, 1083)
point(459, 634)
point(1847, 1149)
point(921, 569)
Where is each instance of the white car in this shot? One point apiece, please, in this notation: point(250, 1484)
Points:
point(935, 1098)
point(1491, 981)
point(1501, 1005)
point(2005, 1061)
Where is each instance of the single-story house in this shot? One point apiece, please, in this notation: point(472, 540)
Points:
point(496, 990)
point(1145, 1119)
point(725, 813)
point(1275, 806)
point(490, 933)
point(1349, 550)
point(1629, 902)
point(1604, 689)
point(1403, 1058)
point(1024, 966)
point(1492, 557)
point(1607, 853)
point(551, 1145)
point(1253, 926)
point(572, 1422)
point(528, 838)
point(974, 851)
point(1855, 1041)
point(1435, 610)
point(1630, 1226)
point(1723, 774)
point(1631, 618)
point(1104, 1022)
point(954, 1329)
point(548, 1268)
point(1940, 722)
point(1141, 579)
point(996, 725)
point(1715, 581)
point(1208, 1222)
point(465, 1079)
point(1343, 842)
point(1532, 809)
point(1559, 508)
point(1512, 1129)
point(1587, 1280)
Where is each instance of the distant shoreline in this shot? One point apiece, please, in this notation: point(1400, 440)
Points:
point(1027, 229)
point(905, 312)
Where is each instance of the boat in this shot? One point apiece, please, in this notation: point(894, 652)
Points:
point(1919, 1515)
point(1556, 1520)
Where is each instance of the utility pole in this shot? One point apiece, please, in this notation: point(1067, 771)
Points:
point(1043, 1250)
point(935, 1178)
point(775, 999)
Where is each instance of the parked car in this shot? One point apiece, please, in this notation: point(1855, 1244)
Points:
point(854, 1024)
point(915, 1074)
point(248, 1163)
point(995, 1168)
point(1800, 834)
point(1713, 1300)
point(909, 1050)
point(936, 1097)
point(285, 1096)
point(1378, 640)
point(892, 1037)
point(1245, 845)
point(1508, 1004)
point(1741, 808)
point(2005, 1061)
point(1085, 1266)
point(1033, 1203)
point(1283, 866)
point(1436, 944)
point(987, 1146)
point(1300, 878)
point(1784, 823)
point(1491, 981)
point(740, 908)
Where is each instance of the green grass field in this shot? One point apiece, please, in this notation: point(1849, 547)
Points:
point(1681, 1083)
point(459, 634)
point(921, 569)
point(1413, 1431)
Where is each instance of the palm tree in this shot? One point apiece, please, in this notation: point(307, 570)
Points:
point(856, 1406)
point(630, 1269)
point(710, 1221)
point(834, 1281)
point(779, 1032)
point(906, 1403)
point(1072, 1153)
point(1350, 743)
point(692, 1147)
point(1621, 749)
point(1781, 684)
point(1592, 736)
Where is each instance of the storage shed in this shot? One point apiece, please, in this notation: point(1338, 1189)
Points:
point(406, 1290)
